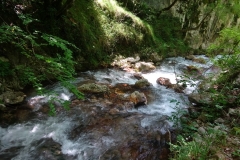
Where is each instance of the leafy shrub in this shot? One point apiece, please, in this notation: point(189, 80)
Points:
point(5, 69)
point(199, 148)
point(44, 56)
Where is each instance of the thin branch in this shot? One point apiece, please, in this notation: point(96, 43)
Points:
point(169, 7)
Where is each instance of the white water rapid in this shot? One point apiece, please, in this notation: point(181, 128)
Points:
point(89, 132)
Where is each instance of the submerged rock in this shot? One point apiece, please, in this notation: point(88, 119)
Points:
point(10, 153)
point(47, 148)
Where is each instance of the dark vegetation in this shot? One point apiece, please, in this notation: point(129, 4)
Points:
point(45, 40)
point(49, 40)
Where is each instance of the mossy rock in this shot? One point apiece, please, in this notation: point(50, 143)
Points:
point(142, 83)
point(93, 88)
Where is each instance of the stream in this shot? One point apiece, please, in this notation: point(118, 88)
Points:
point(100, 127)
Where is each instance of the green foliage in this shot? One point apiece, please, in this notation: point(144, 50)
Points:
point(86, 31)
point(236, 153)
point(28, 76)
point(5, 69)
point(45, 57)
point(189, 150)
point(199, 148)
point(176, 116)
point(123, 29)
point(228, 45)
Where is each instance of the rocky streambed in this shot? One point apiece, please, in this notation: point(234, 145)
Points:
point(124, 115)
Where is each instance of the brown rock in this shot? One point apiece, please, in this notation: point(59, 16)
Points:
point(138, 98)
point(164, 81)
point(177, 88)
point(138, 76)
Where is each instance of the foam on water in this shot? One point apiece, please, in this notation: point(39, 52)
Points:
point(91, 145)
point(115, 75)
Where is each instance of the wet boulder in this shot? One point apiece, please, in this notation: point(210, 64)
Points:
point(178, 88)
point(12, 97)
point(138, 76)
point(142, 83)
point(47, 148)
point(93, 88)
point(138, 98)
point(164, 81)
point(144, 66)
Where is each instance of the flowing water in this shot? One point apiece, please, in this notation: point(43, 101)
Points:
point(97, 127)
